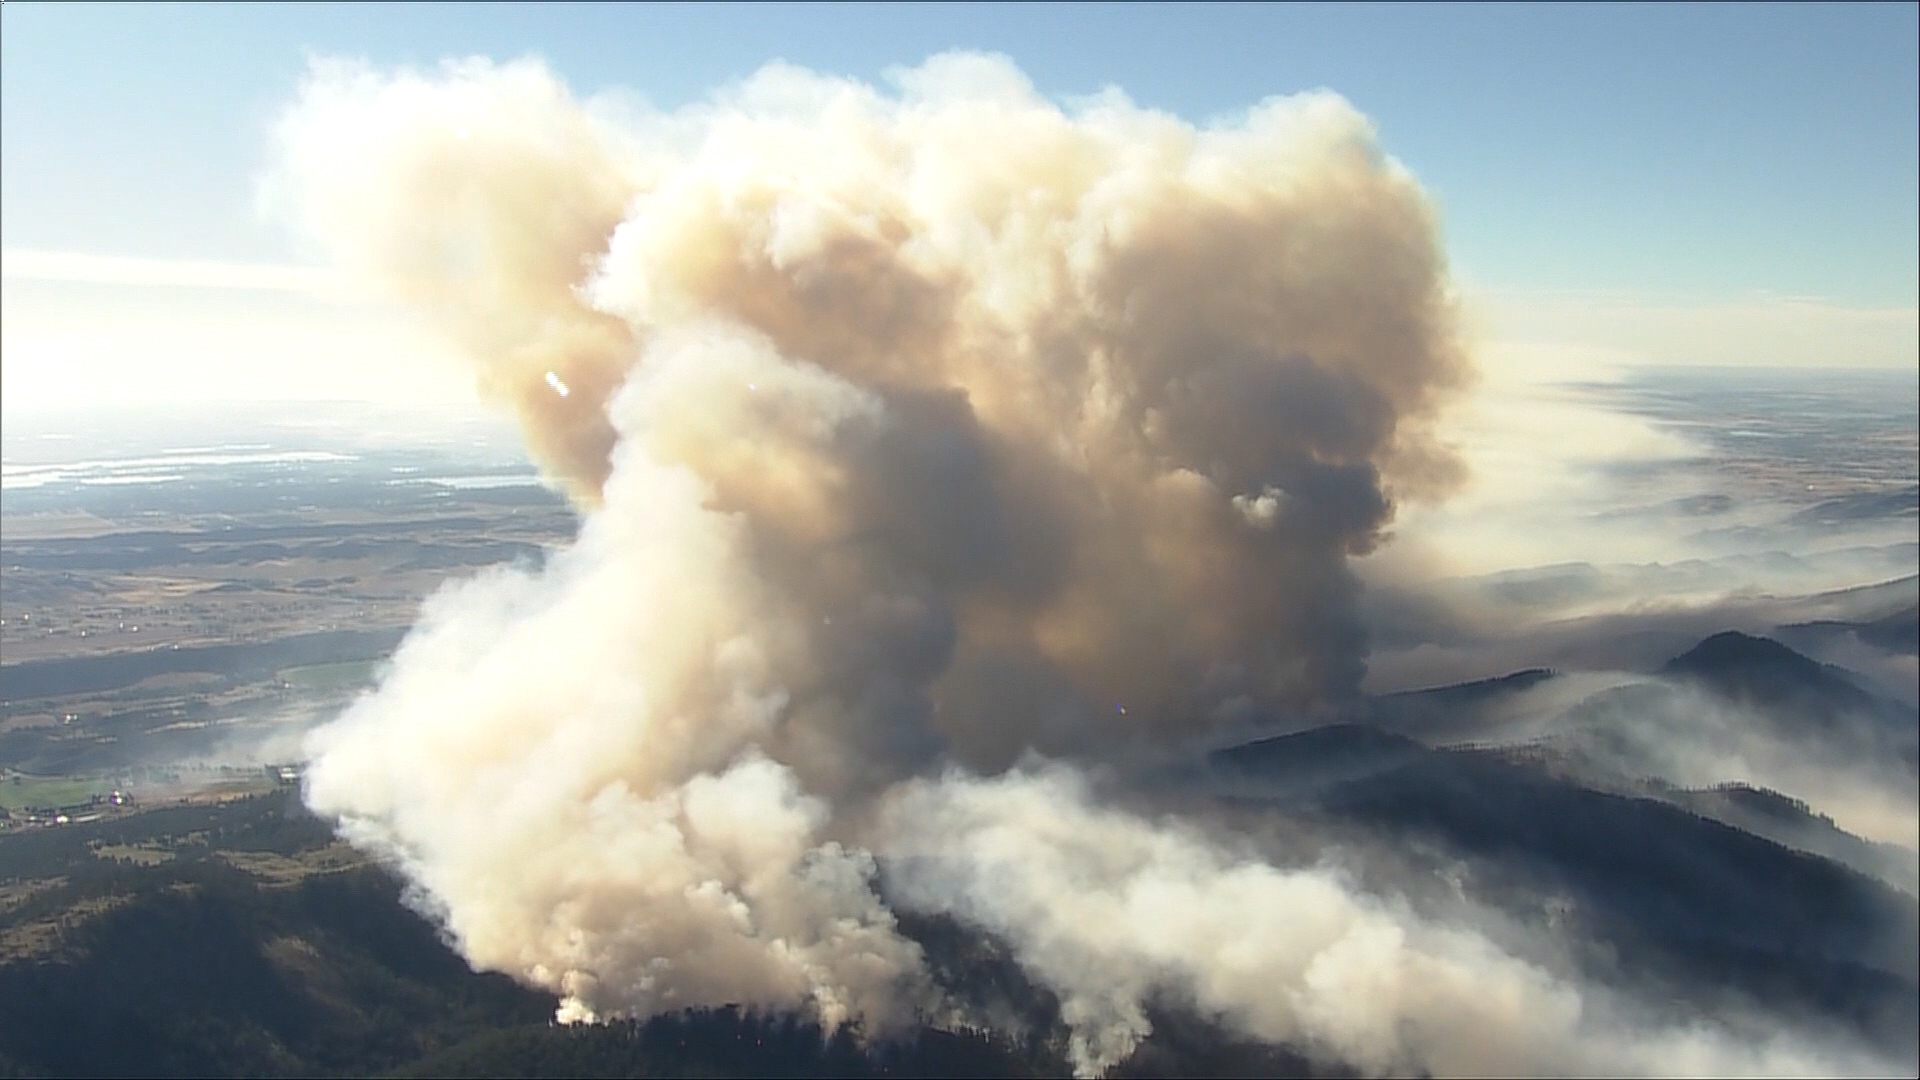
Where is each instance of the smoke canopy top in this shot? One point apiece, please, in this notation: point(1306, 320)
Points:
point(1094, 404)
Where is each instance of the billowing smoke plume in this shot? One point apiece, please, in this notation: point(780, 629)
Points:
point(913, 433)
point(1068, 413)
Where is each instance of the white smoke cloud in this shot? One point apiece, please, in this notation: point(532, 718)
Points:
point(911, 433)
point(1112, 912)
point(588, 808)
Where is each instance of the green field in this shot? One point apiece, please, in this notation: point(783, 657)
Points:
point(345, 675)
point(19, 790)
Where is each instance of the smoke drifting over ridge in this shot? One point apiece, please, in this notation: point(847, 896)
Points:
point(914, 434)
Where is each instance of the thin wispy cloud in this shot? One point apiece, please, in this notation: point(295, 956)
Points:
point(131, 270)
point(1764, 329)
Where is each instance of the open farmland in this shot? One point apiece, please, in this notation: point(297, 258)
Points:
point(166, 610)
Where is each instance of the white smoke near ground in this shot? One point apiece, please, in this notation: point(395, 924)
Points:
point(914, 434)
point(1845, 768)
point(1113, 912)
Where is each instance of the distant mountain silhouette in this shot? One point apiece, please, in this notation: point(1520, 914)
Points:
point(1791, 822)
point(1750, 666)
point(1896, 632)
point(1863, 507)
point(1799, 696)
point(1789, 695)
point(1455, 695)
point(1441, 713)
point(1321, 756)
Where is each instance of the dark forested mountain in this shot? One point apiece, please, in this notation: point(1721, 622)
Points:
point(242, 939)
point(1764, 672)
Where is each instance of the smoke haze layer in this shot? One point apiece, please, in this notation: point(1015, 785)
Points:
point(915, 433)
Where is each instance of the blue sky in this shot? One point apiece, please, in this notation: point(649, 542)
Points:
point(1699, 152)
point(1670, 184)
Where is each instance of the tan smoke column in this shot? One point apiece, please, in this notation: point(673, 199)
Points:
point(481, 198)
point(1140, 388)
point(911, 431)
